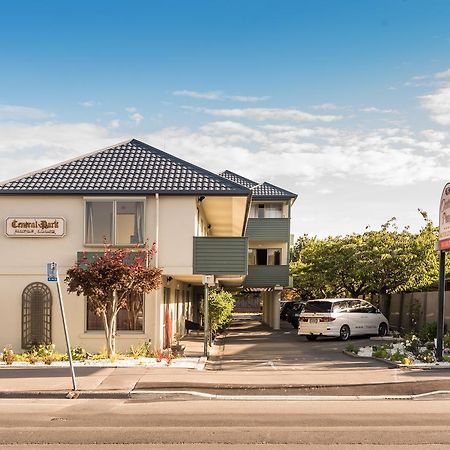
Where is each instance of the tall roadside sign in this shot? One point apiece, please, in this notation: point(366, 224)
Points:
point(53, 275)
point(443, 246)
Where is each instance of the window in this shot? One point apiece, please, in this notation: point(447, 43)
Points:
point(266, 211)
point(129, 318)
point(264, 256)
point(36, 315)
point(116, 222)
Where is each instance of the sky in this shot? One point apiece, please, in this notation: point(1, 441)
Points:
point(346, 103)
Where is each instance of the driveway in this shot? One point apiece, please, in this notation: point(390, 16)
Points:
point(250, 345)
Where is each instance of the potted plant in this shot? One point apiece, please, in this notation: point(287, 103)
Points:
point(177, 348)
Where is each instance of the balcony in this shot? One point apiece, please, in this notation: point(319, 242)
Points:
point(268, 229)
point(267, 276)
point(220, 255)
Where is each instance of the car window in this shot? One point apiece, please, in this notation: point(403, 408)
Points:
point(317, 306)
point(369, 308)
point(341, 306)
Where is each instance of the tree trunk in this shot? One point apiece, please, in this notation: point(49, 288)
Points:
point(110, 326)
point(106, 326)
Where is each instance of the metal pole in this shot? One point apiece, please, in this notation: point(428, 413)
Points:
point(441, 303)
point(206, 322)
point(66, 334)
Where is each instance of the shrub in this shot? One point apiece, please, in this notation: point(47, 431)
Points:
point(221, 304)
point(142, 351)
point(380, 352)
point(426, 356)
point(79, 354)
point(351, 348)
point(8, 355)
point(412, 344)
point(428, 332)
point(397, 356)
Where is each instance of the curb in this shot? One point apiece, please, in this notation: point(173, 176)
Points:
point(390, 364)
point(206, 396)
point(397, 365)
point(68, 395)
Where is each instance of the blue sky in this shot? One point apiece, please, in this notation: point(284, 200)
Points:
point(346, 103)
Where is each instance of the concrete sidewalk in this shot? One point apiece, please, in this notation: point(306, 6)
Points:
point(48, 381)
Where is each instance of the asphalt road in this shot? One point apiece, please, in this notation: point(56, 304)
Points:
point(252, 346)
point(220, 424)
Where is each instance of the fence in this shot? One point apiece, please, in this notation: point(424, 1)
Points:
point(412, 310)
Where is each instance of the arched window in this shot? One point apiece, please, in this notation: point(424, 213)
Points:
point(36, 315)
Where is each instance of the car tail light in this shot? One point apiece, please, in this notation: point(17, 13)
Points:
point(327, 319)
point(303, 319)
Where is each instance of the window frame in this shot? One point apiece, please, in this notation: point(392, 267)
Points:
point(102, 331)
point(114, 201)
point(256, 206)
point(255, 250)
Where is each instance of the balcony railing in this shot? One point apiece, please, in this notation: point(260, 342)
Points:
point(220, 255)
point(268, 229)
point(267, 276)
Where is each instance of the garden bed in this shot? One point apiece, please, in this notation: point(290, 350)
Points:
point(415, 350)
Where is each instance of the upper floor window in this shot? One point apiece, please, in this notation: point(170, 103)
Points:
point(264, 256)
point(116, 222)
point(266, 211)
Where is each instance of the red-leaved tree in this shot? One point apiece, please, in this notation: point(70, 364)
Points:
point(109, 279)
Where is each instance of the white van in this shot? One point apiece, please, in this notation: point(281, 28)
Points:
point(341, 317)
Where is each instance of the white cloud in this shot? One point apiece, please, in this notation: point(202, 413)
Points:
point(219, 95)
point(136, 118)
point(438, 105)
point(433, 135)
point(325, 106)
point(14, 112)
point(372, 109)
point(26, 147)
point(386, 156)
point(115, 123)
point(266, 114)
point(88, 104)
point(444, 74)
point(134, 115)
point(211, 95)
point(247, 98)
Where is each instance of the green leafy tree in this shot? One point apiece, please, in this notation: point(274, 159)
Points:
point(374, 262)
point(109, 280)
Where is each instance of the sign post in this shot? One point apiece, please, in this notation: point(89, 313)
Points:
point(208, 280)
point(53, 275)
point(444, 246)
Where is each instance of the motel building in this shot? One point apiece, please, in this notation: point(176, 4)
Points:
point(202, 223)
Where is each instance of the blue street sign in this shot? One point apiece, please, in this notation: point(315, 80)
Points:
point(52, 271)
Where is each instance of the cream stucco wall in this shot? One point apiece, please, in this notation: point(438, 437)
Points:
point(24, 261)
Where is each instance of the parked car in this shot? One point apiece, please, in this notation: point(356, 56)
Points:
point(341, 317)
point(294, 313)
point(285, 309)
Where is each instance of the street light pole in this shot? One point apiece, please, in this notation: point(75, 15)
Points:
point(206, 322)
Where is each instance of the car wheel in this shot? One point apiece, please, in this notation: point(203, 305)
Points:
point(382, 329)
point(344, 333)
point(311, 337)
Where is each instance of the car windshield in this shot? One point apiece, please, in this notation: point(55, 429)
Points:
point(317, 306)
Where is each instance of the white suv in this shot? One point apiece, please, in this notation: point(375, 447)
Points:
point(341, 317)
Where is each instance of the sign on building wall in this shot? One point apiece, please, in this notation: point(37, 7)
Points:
point(35, 227)
point(444, 219)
